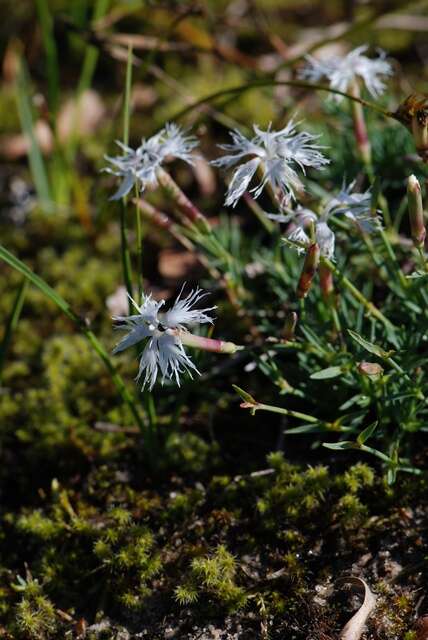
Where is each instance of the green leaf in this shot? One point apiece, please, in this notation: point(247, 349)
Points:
point(367, 432)
point(246, 397)
point(329, 372)
point(35, 157)
point(369, 346)
point(339, 446)
point(46, 23)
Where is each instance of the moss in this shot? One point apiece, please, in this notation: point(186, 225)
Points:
point(35, 613)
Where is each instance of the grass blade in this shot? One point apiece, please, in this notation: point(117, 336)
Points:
point(12, 323)
point(35, 157)
point(49, 44)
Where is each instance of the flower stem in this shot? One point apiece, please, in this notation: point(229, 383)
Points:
point(139, 242)
point(125, 254)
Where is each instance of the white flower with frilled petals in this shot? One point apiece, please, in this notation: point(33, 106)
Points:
point(139, 166)
point(354, 206)
point(163, 350)
point(278, 154)
point(342, 71)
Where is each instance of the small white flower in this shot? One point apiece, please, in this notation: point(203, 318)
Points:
point(342, 71)
point(354, 206)
point(277, 153)
point(164, 350)
point(139, 166)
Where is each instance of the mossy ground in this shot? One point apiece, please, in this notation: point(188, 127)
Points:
point(197, 545)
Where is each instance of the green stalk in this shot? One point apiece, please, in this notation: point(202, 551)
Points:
point(279, 83)
point(125, 254)
point(37, 165)
point(81, 325)
point(286, 412)
point(360, 297)
point(139, 241)
point(49, 44)
point(12, 323)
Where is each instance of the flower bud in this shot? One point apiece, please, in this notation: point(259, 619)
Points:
point(182, 202)
point(290, 325)
point(310, 267)
point(370, 369)
point(326, 283)
point(416, 212)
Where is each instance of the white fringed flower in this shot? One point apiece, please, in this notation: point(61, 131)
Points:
point(164, 349)
point(354, 206)
point(139, 166)
point(342, 71)
point(277, 153)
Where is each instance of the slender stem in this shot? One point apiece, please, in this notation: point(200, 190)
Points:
point(280, 83)
point(360, 297)
point(285, 412)
point(127, 98)
point(139, 241)
point(12, 323)
point(125, 254)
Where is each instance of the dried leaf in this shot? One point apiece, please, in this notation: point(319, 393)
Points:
point(355, 626)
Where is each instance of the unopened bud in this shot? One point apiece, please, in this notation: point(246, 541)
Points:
point(416, 212)
point(310, 267)
point(326, 283)
point(182, 202)
point(370, 369)
point(290, 325)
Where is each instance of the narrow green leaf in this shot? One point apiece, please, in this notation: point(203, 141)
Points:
point(367, 432)
point(49, 44)
point(35, 157)
point(329, 372)
point(369, 346)
point(339, 446)
point(246, 397)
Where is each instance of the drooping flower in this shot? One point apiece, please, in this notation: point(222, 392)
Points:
point(354, 206)
point(139, 166)
point(343, 71)
point(163, 333)
point(278, 155)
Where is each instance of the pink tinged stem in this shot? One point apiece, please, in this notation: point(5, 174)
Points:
point(206, 344)
point(360, 127)
point(182, 202)
point(416, 212)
